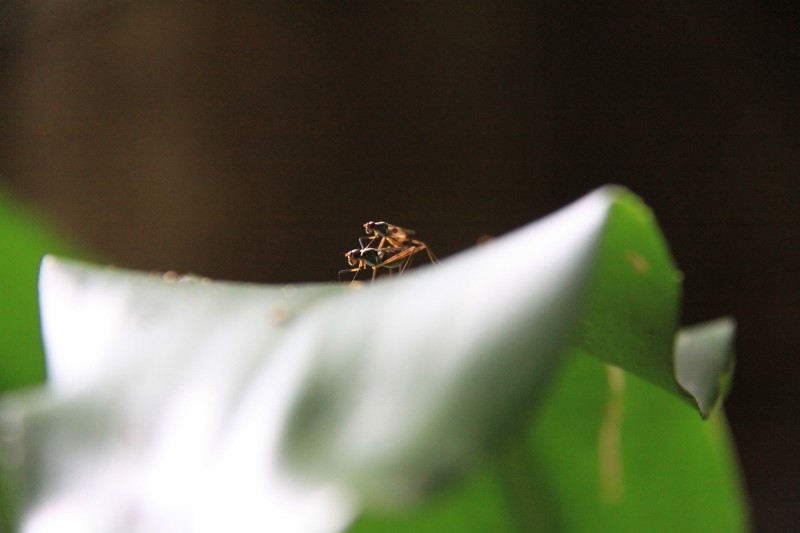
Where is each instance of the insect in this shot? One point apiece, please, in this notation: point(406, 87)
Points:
point(394, 236)
point(393, 257)
point(395, 250)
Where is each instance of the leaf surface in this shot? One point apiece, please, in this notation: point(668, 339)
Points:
point(189, 405)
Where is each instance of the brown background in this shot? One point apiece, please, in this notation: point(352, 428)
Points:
point(250, 140)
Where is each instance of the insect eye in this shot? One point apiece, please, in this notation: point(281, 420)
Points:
point(352, 257)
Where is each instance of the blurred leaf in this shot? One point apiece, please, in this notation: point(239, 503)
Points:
point(595, 460)
point(219, 406)
point(704, 361)
point(620, 455)
point(24, 240)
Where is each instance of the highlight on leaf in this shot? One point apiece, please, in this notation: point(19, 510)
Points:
point(211, 405)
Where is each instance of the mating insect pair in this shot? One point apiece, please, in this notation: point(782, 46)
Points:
point(395, 249)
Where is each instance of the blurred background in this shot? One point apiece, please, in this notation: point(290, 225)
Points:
point(250, 141)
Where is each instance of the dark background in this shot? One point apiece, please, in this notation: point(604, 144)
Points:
point(249, 141)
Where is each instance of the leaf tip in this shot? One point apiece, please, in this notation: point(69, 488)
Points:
point(704, 356)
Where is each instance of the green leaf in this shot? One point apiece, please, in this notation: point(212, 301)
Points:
point(632, 314)
point(604, 451)
point(633, 309)
point(23, 242)
point(24, 239)
point(618, 454)
point(221, 406)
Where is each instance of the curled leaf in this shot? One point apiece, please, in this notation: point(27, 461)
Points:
point(188, 405)
point(703, 361)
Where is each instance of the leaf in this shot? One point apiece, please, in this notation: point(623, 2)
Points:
point(592, 460)
point(619, 454)
point(633, 309)
point(205, 406)
point(23, 241)
point(704, 361)
point(632, 314)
